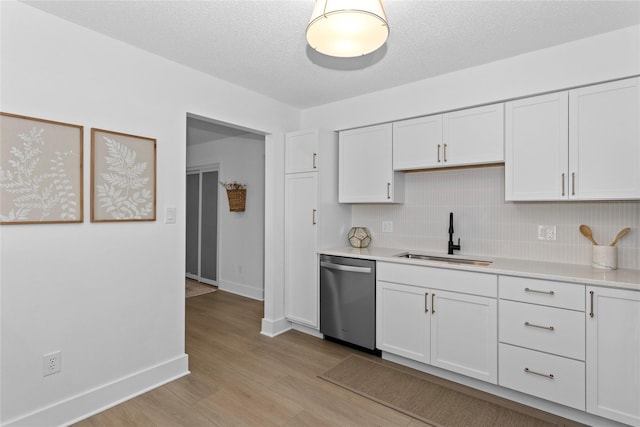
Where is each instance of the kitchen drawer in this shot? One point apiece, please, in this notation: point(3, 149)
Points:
point(529, 325)
point(544, 292)
point(468, 282)
point(554, 378)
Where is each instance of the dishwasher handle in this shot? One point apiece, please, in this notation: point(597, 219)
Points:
point(340, 267)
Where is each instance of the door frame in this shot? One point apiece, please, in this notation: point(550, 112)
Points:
point(199, 170)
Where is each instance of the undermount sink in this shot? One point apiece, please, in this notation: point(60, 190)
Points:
point(452, 260)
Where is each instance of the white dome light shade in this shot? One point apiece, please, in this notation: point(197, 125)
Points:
point(347, 28)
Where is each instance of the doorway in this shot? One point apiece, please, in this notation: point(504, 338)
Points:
point(202, 225)
point(220, 153)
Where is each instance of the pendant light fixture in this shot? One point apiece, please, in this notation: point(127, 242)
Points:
point(347, 28)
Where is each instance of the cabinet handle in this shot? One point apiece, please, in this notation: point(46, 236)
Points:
point(433, 303)
point(551, 328)
point(388, 190)
point(438, 153)
point(591, 298)
point(445, 153)
point(426, 302)
point(529, 371)
point(539, 292)
point(315, 160)
point(313, 216)
point(563, 184)
point(573, 183)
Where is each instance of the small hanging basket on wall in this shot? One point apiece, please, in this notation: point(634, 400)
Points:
point(237, 195)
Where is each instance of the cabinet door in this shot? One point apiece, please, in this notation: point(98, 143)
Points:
point(474, 136)
point(536, 150)
point(301, 266)
point(301, 151)
point(613, 354)
point(402, 320)
point(366, 167)
point(417, 143)
point(604, 141)
point(464, 335)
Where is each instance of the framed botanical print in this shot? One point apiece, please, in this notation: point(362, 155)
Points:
point(41, 171)
point(123, 177)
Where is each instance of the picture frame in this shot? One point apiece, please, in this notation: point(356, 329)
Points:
point(41, 171)
point(123, 177)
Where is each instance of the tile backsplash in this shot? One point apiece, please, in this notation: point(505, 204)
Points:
point(489, 226)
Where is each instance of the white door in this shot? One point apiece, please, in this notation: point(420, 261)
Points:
point(604, 140)
point(417, 143)
point(365, 165)
point(464, 335)
point(301, 268)
point(402, 320)
point(536, 148)
point(473, 136)
point(613, 354)
point(301, 151)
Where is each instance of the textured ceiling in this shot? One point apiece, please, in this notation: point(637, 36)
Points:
point(261, 45)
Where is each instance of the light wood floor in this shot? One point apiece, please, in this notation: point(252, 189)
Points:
point(241, 378)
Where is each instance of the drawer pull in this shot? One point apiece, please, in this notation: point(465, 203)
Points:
point(550, 328)
point(529, 371)
point(591, 298)
point(426, 302)
point(433, 303)
point(539, 292)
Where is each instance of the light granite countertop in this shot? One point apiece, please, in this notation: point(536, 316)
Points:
point(584, 274)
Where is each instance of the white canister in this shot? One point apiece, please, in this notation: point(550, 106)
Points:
point(605, 257)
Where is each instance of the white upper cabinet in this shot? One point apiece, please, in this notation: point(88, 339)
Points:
point(536, 154)
point(417, 143)
point(582, 144)
point(473, 136)
point(366, 168)
point(460, 138)
point(604, 141)
point(301, 151)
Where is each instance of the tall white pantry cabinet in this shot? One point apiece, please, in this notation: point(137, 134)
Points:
point(313, 219)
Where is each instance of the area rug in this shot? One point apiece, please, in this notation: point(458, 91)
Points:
point(431, 403)
point(193, 288)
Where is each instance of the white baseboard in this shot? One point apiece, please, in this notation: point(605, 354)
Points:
point(273, 328)
point(307, 330)
point(93, 401)
point(241, 289)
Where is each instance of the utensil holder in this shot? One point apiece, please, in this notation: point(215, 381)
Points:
point(604, 257)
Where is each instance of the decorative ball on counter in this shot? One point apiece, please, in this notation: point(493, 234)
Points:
point(359, 237)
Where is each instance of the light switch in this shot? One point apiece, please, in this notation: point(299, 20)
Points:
point(169, 215)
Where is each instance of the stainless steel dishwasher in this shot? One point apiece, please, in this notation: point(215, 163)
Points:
point(348, 300)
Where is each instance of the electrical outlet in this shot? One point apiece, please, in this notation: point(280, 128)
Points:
point(387, 227)
point(546, 232)
point(51, 363)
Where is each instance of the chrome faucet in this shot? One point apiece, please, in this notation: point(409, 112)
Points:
point(452, 247)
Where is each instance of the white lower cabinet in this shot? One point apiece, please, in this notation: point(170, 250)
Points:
point(403, 321)
point(542, 339)
point(543, 375)
point(419, 320)
point(613, 354)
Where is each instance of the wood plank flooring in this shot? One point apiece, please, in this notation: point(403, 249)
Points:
point(241, 378)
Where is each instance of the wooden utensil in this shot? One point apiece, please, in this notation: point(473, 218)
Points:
point(586, 232)
point(620, 235)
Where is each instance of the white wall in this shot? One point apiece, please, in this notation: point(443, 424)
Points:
point(604, 57)
point(110, 296)
point(486, 224)
point(241, 234)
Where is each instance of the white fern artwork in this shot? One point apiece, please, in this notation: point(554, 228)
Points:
point(124, 187)
point(40, 172)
